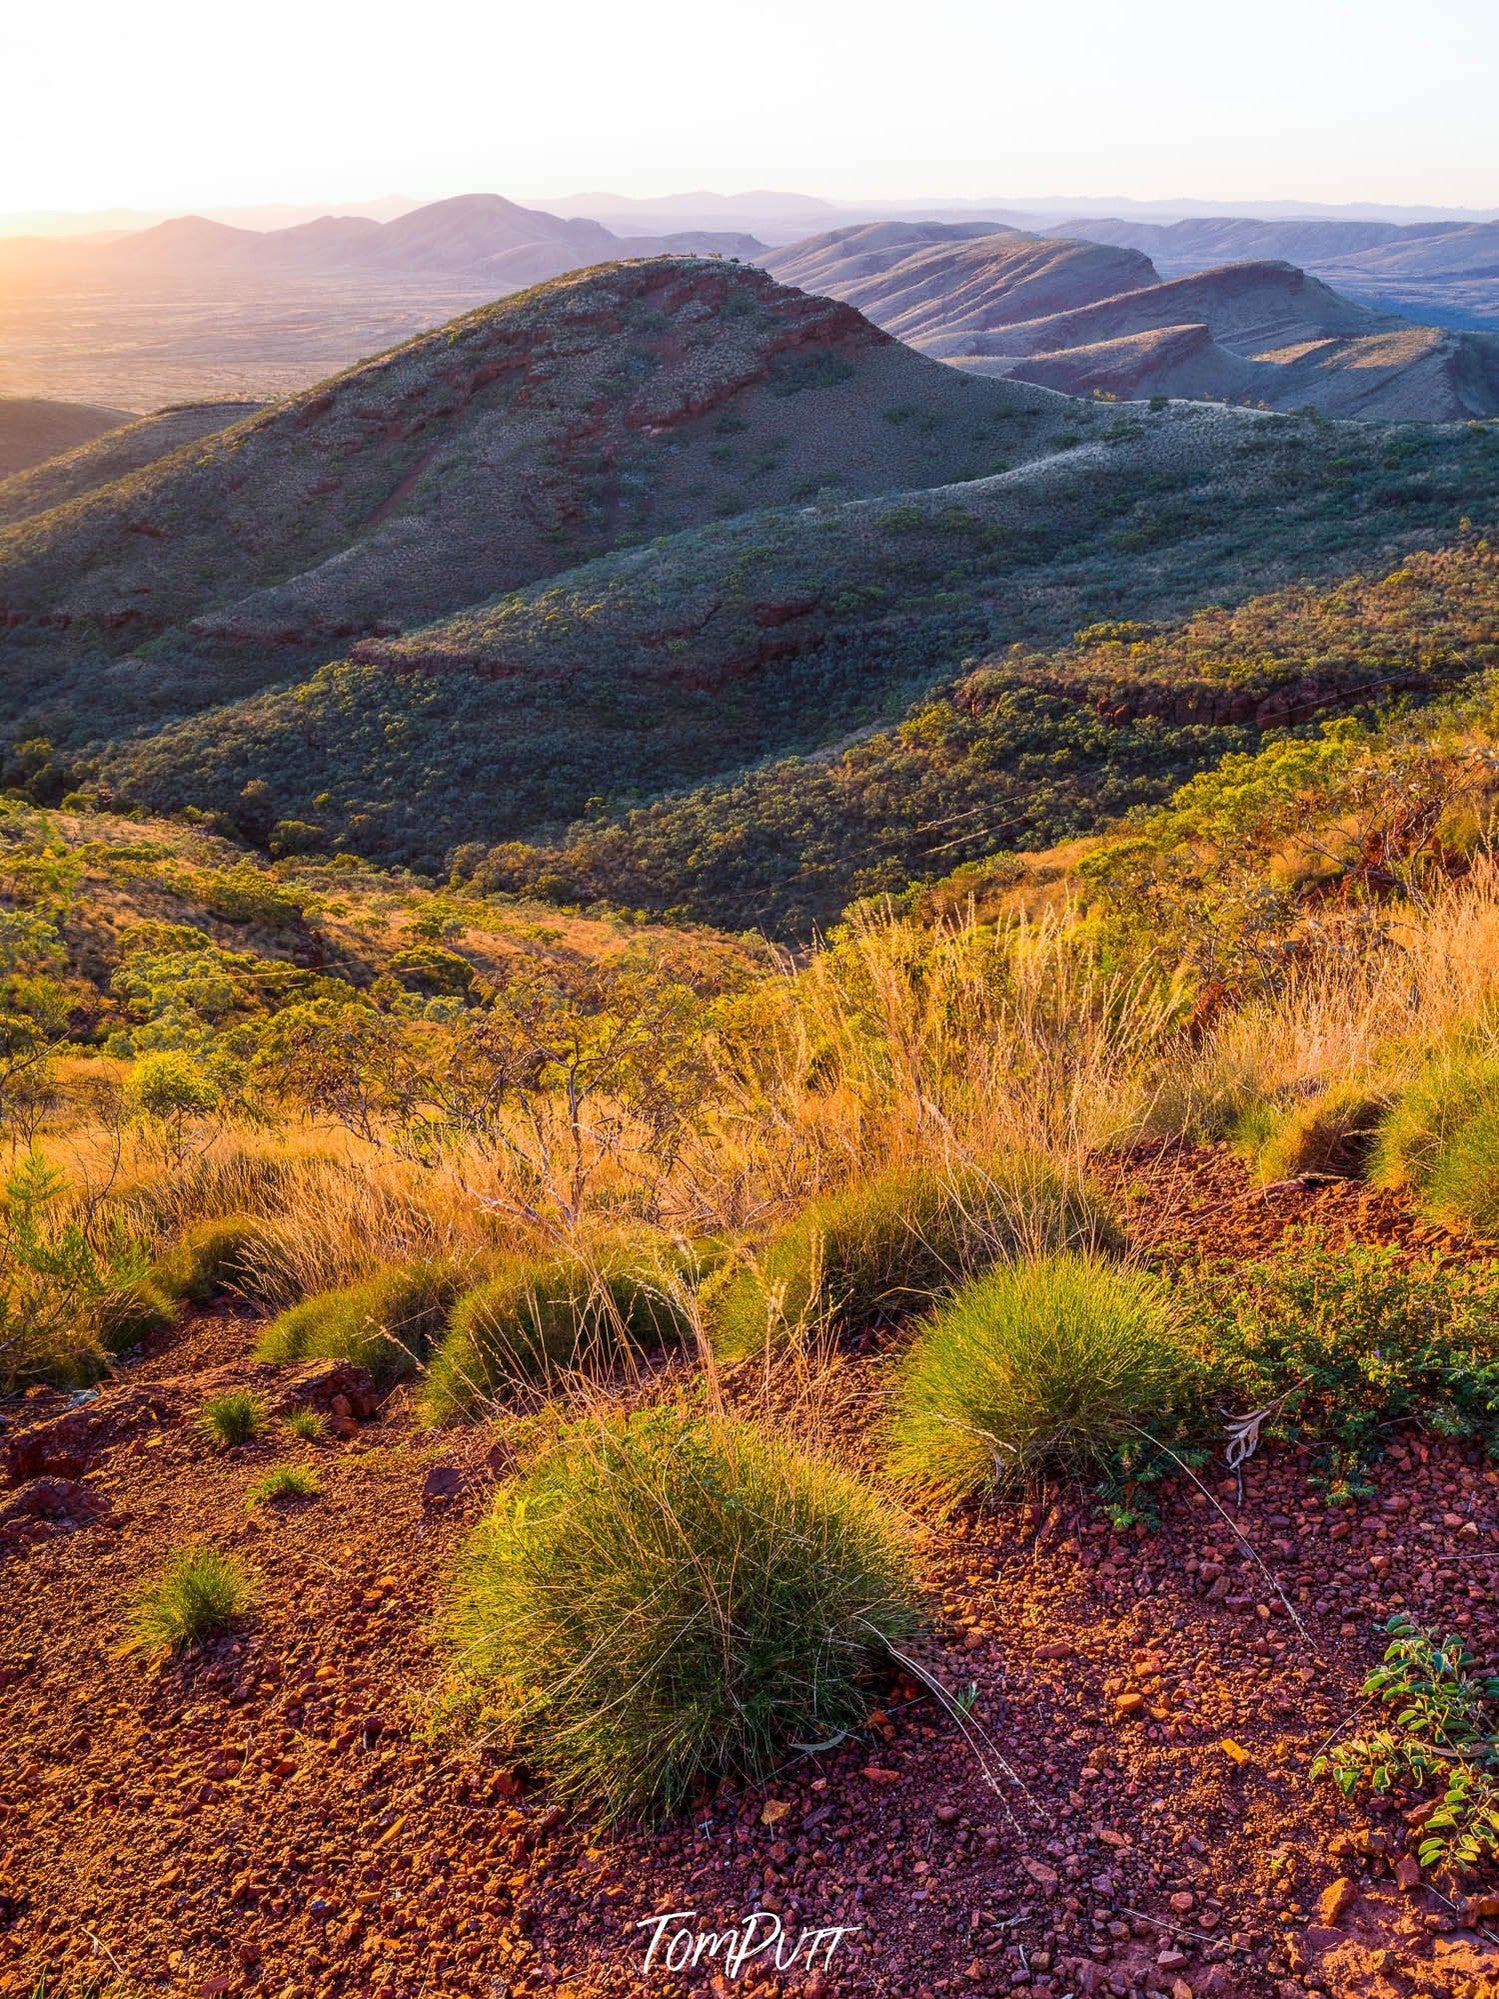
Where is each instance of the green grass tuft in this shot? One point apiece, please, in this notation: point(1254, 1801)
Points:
point(1462, 1184)
point(285, 1482)
point(134, 1313)
point(1050, 1363)
point(387, 1324)
point(539, 1315)
point(885, 1247)
point(309, 1424)
point(1333, 1132)
point(659, 1601)
point(232, 1418)
point(208, 1259)
point(1450, 1090)
point(198, 1594)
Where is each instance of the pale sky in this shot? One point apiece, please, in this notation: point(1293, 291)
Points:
point(200, 103)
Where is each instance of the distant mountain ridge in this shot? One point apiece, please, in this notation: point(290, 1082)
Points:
point(1447, 271)
point(483, 236)
point(1084, 317)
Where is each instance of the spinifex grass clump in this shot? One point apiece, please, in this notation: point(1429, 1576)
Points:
point(387, 1324)
point(541, 1314)
point(1333, 1132)
point(886, 1246)
point(198, 1594)
point(232, 1418)
point(285, 1482)
point(208, 1258)
point(1050, 1363)
point(661, 1600)
point(1453, 1088)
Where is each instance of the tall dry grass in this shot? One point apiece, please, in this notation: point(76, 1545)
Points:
point(1368, 1012)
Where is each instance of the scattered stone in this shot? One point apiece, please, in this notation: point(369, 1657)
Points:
point(1335, 1901)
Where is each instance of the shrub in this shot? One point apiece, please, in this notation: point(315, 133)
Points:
point(309, 1424)
point(1049, 1363)
point(658, 1601)
point(286, 1482)
point(1333, 1132)
point(886, 1246)
point(207, 1259)
point(1339, 1343)
point(1450, 1090)
point(537, 1315)
point(134, 1312)
point(198, 1594)
point(387, 1324)
point(1446, 1733)
point(232, 1418)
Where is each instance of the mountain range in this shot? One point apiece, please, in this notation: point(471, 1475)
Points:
point(1089, 317)
point(635, 530)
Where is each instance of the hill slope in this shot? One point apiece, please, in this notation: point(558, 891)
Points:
point(637, 398)
point(1082, 316)
point(1445, 271)
point(197, 310)
point(1028, 748)
point(654, 669)
point(115, 454)
point(32, 429)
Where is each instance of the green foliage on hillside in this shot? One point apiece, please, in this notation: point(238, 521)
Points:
point(1030, 749)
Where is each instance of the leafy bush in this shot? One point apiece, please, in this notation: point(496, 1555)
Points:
point(286, 1482)
point(62, 1271)
point(886, 1246)
point(539, 1314)
point(1338, 1343)
point(198, 1594)
point(232, 1418)
point(658, 1601)
point(1052, 1362)
point(208, 1259)
point(1333, 1132)
point(1447, 1731)
point(387, 1324)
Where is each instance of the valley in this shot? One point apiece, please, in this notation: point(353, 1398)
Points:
point(749, 1094)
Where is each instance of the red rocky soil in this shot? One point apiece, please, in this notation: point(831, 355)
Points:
point(267, 1815)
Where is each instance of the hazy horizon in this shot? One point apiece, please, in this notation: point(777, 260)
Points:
point(282, 104)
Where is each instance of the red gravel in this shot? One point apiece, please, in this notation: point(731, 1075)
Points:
point(269, 1815)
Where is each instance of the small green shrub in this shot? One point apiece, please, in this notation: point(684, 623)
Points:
point(1338, 1343)
point(540, 1314)
point(1333, 1132)
point(132, 1313)
point(1452, 1089)
point(309, 1424)
point(887, 1246)
point(1049, 1363)
point(1446, 1732)
point(232, 1418)
point(208, 1259)
point(285, 1482)
point(658, 1601)
point(387, 1324)
point(198, 1594)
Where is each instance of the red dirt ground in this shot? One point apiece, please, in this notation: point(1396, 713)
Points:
point(267, 1815)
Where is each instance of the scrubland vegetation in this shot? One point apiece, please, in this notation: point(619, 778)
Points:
point(755, 1259)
